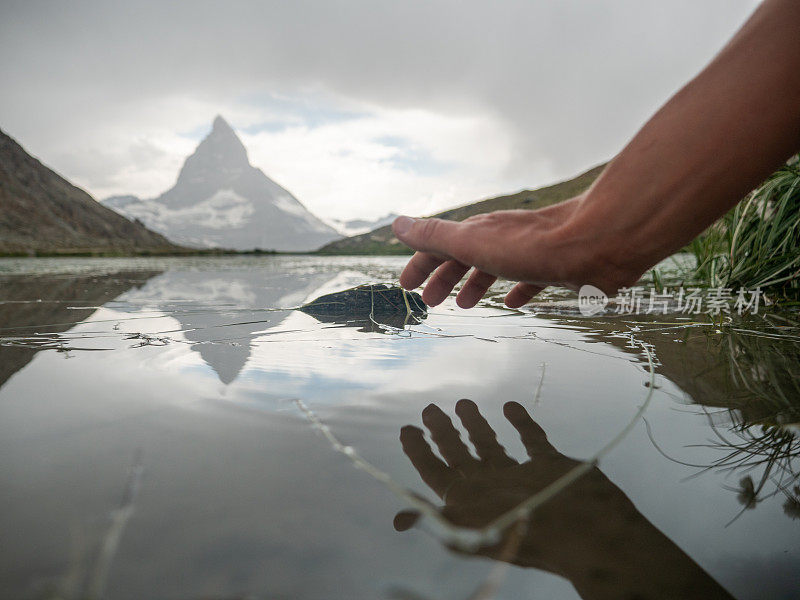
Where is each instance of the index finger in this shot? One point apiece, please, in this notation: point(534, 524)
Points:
point(430, 467)
point(418, 268)
point(482, 435)
point(532, 435)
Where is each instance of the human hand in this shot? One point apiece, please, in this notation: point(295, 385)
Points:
point(537, 248)
point(702, 152)
point(590, 533)
point(475, 491)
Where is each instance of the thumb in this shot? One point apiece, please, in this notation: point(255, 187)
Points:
point(436, 236)
point(406, 519)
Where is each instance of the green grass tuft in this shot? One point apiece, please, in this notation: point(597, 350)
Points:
point(757, 244)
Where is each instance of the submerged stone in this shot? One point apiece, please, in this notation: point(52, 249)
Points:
point(365, 300)
point(371, 308)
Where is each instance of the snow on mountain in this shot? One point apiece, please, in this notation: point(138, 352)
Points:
point(221, 200)
point(359, 226)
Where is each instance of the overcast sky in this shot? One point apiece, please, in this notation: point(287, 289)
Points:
point(357, 107)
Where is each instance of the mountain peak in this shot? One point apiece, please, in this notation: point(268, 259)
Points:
point(222, 140)
point(221, 151)
point(220, 124)
point(221, 200)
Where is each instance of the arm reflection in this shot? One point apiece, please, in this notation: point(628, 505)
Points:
point(591, 533)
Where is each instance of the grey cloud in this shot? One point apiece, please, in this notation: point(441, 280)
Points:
point(572, 80)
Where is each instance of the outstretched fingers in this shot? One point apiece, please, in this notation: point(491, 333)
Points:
point(418, 268)
point(444, 279)
point(533, 437)
point(435, 241)
point(447, 438)
point(475, 288)
point(521, 294)
point(481, 434)
point(436, 236)
point(433, 471)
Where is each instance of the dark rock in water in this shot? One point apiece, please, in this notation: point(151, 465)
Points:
point(365, 300)
point(368, 306)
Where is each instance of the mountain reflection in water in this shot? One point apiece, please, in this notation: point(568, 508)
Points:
point(220, 315)
point(153, 448)
point(37, 303)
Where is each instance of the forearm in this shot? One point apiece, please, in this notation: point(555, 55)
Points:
point(608, 549)
point(713, 142)
point(643, 563)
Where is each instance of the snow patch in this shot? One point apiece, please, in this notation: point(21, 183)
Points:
point(224, 210)
point(289, 205)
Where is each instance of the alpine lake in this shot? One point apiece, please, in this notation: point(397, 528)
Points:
point(176, 428)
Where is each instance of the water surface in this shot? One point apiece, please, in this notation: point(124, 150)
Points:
point(174, 428)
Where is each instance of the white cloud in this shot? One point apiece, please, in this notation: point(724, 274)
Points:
point(367, 102)
point(415, 161)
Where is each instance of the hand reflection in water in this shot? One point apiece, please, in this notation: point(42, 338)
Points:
point(590, 533)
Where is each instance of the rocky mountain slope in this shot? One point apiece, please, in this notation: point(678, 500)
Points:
point(43, 213)
point(382, 240)
point(221, 200)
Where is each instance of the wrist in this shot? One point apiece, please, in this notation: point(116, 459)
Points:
point(604, 238)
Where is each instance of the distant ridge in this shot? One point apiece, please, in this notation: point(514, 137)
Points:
point(43, 213)
point(358, 226)
point(382, 240)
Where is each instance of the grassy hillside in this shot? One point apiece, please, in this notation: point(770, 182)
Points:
point(382, 241)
